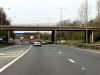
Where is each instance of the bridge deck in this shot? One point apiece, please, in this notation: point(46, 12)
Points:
point(47, 28)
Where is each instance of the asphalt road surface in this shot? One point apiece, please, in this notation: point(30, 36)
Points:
point(55, 60)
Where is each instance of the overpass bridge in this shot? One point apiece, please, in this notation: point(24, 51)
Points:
point(54, 29)
point(48, 28)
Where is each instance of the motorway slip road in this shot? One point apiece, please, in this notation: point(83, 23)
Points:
point(10, 53)
point(54, 60)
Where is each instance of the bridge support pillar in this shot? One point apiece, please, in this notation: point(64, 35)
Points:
point(9, 34)
point(53, 36)
point(90, 36)
point(55, 40)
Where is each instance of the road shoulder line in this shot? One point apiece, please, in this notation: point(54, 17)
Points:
point(86, 50)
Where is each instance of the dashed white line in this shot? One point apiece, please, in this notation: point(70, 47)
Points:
point(59, 52)
point(9, 64)
point(54, 49)
point(72, 61)
point(83, 68)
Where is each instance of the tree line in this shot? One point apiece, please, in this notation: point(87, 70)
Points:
point(3, 21)
point(83, 20)
point(3, 17)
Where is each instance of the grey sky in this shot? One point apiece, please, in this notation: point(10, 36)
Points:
point(37, 11)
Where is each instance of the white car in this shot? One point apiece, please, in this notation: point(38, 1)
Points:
point(43, 42)
point(37, 43)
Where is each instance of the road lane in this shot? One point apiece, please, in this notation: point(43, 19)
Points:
point(44, 61)
point(85, 59)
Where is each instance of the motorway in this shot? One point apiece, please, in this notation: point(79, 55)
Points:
point(51, 60)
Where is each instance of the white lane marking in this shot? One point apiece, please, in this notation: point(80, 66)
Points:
point(83, 68)
point(9, 64)
point(54, 49)
point(92, 51)
point(59, 52)
point(72, 61)
point(87, 50)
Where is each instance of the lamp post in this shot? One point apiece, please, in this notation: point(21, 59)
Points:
point(48, 19)
point(48, 23)
point(61, 18)
point(86, 21)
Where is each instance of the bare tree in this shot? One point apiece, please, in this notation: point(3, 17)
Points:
point(84, 15)
point(98, 7)
point(84, 12)
point(98, 10)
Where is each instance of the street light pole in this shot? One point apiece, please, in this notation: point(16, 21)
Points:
point(86, 21)
point(48, 25)
point(48, 21)
point(61, 23)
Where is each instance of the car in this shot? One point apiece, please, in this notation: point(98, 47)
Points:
point(37, 43)
point(63, 41)
point(43, 42)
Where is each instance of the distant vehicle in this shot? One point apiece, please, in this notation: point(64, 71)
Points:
point(21, 39)
point(37, 43)
point(3, 39)
point(62, 41)
point(11, 40)
point(31, 40)
point(43, 42)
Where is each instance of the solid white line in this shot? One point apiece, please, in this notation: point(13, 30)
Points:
point(86, 50)
point(72, 61)
point(9, 64)
point(92, 51)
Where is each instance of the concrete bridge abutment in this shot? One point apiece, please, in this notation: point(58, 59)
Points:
point(10, 35)
point(53, 34)
point(90, 36)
